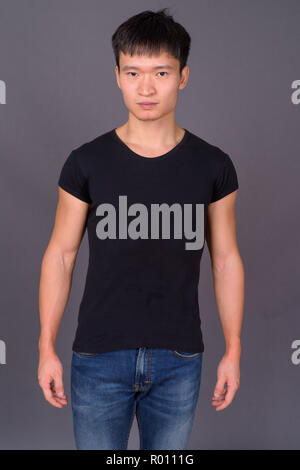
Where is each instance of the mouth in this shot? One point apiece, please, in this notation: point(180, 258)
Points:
point(147, 105)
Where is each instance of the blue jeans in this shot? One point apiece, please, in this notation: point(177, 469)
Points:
point(160, 386)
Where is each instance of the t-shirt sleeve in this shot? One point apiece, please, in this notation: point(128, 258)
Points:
point(73, 180)
point(227, 181)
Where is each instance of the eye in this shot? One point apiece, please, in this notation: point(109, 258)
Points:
point(128, 73)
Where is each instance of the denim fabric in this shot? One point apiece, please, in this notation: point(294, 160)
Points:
point(159, 386)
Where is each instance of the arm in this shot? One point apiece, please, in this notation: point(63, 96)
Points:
point(228, 280)
point(55, 285)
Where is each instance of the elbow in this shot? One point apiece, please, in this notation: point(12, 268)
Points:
point(66, 259)
point(226, 263)
point(69, 260)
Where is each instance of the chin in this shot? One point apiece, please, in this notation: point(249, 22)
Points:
point(144, 116)
point(150, 118)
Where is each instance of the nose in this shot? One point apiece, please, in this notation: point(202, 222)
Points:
point(146, 86)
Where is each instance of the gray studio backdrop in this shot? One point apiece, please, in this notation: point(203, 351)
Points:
point(58, 91)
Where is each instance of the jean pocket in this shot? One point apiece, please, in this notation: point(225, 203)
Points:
point(186, 355)
point(84, 354)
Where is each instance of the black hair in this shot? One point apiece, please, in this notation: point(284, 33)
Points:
point(150, 33)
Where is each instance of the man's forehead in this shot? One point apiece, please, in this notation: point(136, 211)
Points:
point(147, 61)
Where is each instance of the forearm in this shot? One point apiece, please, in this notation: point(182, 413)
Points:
point(228, 280)
point(54, 290)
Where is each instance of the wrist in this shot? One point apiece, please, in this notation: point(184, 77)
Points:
point(234, 348)
point(46, 345)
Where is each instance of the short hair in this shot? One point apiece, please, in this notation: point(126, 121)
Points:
point(150, 33)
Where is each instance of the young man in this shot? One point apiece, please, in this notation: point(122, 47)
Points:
point(150, 193)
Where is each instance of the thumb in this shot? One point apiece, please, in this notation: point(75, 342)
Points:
point(58, 386)
point(219, 388)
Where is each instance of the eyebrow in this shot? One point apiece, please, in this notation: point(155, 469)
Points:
point(164, 66)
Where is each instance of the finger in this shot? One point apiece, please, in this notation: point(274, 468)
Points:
point(222, 395)
point(219, 398)
point(62, 400)
point(58, 387)
point(49, 397)
point(228, 398)
point(64, 397)
point(219, 388)
point(217, 402)
point(49, 393)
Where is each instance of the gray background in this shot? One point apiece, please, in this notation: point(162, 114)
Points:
point(57, 62)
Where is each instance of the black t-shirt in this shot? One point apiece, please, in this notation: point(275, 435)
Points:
point(146, 229)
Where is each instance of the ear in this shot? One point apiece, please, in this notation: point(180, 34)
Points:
point(117, 76)
point(184, 77)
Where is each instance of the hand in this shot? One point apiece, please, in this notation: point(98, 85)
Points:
point(50, 373)
point(228, 374)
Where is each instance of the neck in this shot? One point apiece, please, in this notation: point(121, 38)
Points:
point(155, 135)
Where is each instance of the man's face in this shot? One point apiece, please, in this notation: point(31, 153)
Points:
point(150, 79)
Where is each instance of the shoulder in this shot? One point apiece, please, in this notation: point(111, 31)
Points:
point(208, 153)
point(86, 153)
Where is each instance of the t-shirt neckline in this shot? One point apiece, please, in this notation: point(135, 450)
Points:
point(136, 156)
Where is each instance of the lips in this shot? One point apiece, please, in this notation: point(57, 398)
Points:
point(147, 105)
